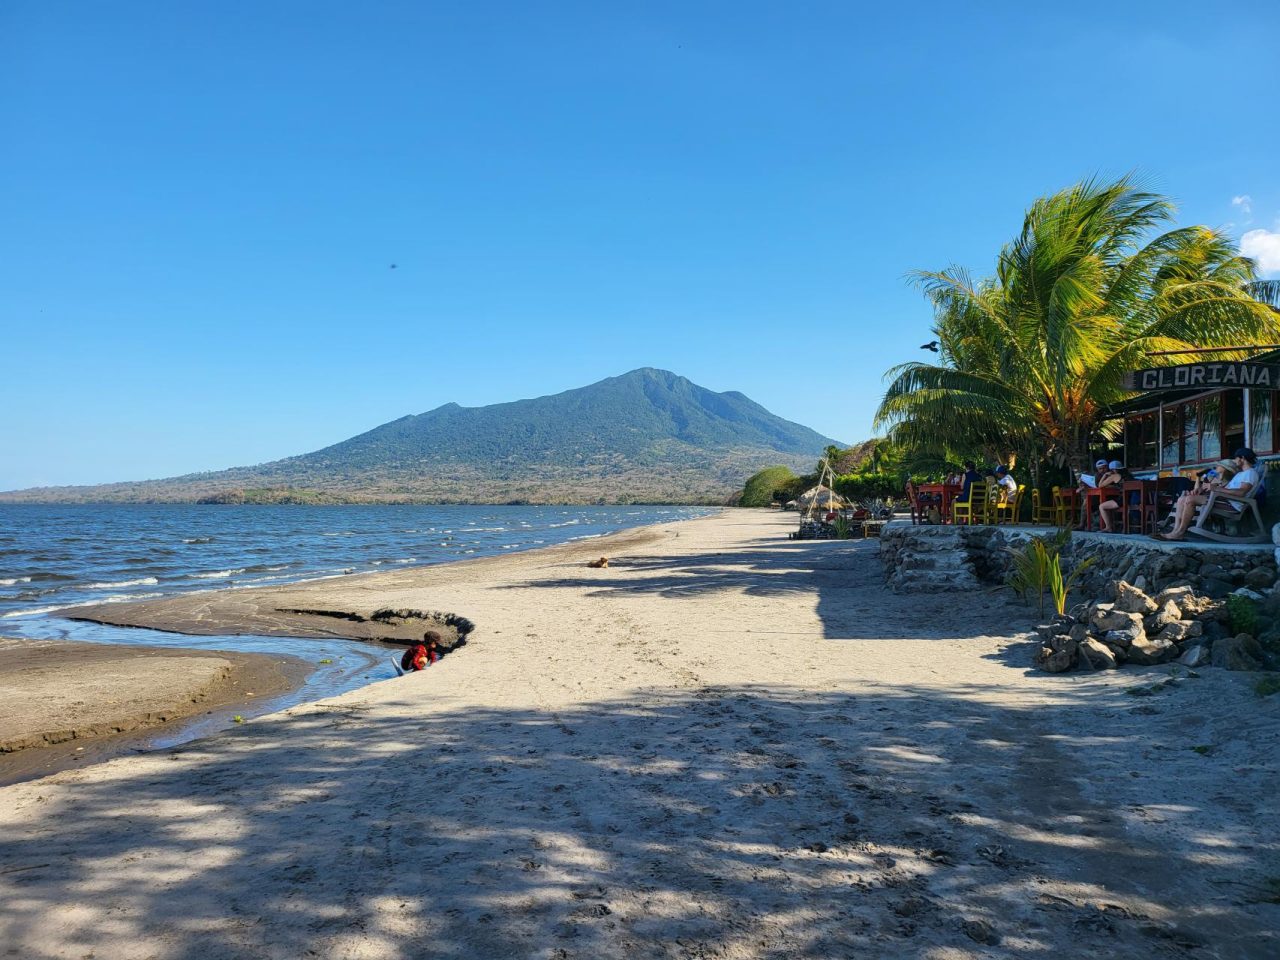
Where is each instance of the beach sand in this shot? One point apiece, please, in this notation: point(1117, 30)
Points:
point(726, 744)
point(64, 704)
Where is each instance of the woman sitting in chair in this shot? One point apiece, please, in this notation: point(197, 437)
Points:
point(1116, 475)
point(1237, 476)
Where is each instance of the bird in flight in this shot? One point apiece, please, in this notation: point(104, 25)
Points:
point(931, 345)
point(394, 265)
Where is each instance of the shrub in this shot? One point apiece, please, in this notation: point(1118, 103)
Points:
point(760, 488)
point(1243, 613)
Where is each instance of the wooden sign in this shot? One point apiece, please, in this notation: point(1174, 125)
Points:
point(1205, 376)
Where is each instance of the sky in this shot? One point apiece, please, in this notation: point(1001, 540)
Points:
point(234, 232)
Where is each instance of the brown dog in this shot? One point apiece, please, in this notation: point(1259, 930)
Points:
point(602, 562)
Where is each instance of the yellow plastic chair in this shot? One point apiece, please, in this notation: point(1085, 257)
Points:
point(1041, 513)
point(1010, 510)
point(973, 510)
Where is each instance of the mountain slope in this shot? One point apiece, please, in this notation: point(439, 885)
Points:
point(646, 435)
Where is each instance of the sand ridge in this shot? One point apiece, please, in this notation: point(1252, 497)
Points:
point(64, 703)
point(726, 744)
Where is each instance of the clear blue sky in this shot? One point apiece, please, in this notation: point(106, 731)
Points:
point(200, 202)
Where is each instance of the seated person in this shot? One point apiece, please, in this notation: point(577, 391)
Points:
point(1006, 488)
point(970, 478)
point(1115, 476)
point(423, 653)
point(1089, 481)
point(1237, 477)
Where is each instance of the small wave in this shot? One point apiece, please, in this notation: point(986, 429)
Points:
point(266, 568)
point(49, 577)
point(125, 597)
point(140, 582)
point(285, 576)
point(567, 523)
point(197, 540)
point(32, 612)
point(37, 611)
point(585, 536)
point(216, 574)
point(10, 581)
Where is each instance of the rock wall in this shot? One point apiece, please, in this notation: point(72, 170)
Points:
point(931, 558)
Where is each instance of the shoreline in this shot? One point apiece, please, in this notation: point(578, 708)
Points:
point(726, 743)
point(289, 610)
point(67, 703)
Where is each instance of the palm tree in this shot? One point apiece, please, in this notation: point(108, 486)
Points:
point(1031, 358)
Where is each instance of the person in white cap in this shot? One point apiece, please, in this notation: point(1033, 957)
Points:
point(1116, 475)
point(1089, 481)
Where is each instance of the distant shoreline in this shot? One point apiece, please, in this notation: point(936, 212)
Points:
point(329, 500)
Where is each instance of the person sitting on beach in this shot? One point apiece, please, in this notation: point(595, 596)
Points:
point(423, 653)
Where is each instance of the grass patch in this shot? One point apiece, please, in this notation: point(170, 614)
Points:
point(1267, 685)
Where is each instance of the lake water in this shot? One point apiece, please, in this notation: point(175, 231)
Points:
point(53, 557)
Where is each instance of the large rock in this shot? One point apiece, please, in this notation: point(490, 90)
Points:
point(1248, 594)
point(1241, 652)
point(1152, 650)
point(1058, 655)
point(1124, 638)
point(1179, 595)
point(1104, 620)
point(1096, 655)
point(1167, 614)
point(1198, 655)
point(1132, 600)
point(1202, 608)
point(1259, 578)
point(1181, 630)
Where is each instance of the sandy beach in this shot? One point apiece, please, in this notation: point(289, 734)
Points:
point(726, 744)
point(64, 704)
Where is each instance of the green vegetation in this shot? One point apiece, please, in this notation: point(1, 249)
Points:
point(1037, 568)
point(263, 495)
point(1243, 613)
point(866, 471)
point(1268, 685)
point(1031, 356)
point(760, 488)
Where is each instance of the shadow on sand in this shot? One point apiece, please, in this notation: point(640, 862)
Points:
point(729, 822)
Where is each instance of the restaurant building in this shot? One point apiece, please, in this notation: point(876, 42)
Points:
point(1191, 415)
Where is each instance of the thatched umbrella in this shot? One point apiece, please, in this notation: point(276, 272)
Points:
point(820, 498)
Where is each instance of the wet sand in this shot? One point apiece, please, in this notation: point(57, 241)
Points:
point(727, 744)
point(63, 704)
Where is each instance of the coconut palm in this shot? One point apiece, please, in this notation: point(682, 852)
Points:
point(1030, 359)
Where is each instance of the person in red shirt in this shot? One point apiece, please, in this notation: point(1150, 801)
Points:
point(423, 653)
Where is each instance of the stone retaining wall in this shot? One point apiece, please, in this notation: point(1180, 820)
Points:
point(932, 558)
